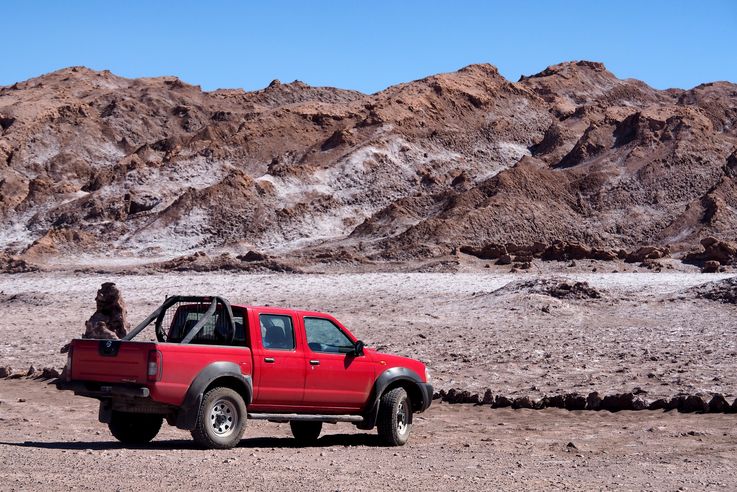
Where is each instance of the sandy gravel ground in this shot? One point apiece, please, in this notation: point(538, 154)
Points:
point(52, 441)
point(643, 333)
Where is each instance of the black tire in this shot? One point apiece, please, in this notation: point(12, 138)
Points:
point(221, 419)
point(305, 432)
point(395, 417)
point(134, 428)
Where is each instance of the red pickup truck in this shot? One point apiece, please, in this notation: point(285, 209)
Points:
point(210, 366)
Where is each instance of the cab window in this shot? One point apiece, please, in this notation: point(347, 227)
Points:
point(215, 331)
point(277, 331)
point(324, 336)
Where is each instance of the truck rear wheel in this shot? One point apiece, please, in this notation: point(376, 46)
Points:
point(221, 419)
point(305, 432)
point(134, 428)
point(395, 417)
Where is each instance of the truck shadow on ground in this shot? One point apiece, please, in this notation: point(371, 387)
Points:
point(369, 440)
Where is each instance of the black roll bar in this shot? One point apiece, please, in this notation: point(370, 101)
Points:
point(158, 315)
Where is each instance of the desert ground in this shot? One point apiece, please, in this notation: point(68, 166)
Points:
point(51, 440)
point(643, 332)
point(476, 331)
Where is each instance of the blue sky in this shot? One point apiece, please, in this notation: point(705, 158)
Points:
point(367, 45)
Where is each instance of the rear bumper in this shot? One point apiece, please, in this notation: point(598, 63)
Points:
point(103, 390)
point(426, 390)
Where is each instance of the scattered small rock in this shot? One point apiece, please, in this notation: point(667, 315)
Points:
point(711, 266)
point(488, 398)
point(253, 256)
point(523, 402)
point(659, 404)
point(688, 404)
point(503, 402)
point(504, 260)
point(593, 401)
point(49, 373)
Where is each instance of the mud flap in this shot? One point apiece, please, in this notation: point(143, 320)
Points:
point(106, 411)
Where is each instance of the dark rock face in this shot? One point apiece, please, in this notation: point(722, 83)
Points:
point(5, 371)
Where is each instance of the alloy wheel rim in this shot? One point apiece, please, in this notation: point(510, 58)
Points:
point(223, 418)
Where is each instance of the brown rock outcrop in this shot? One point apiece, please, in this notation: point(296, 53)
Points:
point(714, 250)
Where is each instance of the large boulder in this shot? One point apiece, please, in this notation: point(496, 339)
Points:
point(647, 253)
point(724, 252)
point(110, 320)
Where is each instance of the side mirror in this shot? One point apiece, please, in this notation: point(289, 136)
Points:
point(358, 348)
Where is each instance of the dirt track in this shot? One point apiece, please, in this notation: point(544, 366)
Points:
point(53, 441)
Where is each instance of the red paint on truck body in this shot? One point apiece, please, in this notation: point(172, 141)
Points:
point(300, 378)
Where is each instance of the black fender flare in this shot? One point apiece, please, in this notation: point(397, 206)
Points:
point(230, 371)
point(386, 379)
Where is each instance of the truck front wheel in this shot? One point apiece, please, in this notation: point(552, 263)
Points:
point(221, 419)
point(395, 417)
point(134, 428)
point(305, 432)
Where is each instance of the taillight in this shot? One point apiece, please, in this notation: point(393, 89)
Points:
point(155, 365)
point(68, 367)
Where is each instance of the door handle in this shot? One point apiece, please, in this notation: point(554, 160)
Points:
point(315, 362)
point(270, 360)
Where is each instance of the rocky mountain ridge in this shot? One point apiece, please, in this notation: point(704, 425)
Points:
point(99, 168)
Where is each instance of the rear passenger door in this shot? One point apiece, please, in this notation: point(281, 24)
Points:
point(336, 379)
point(278, 359)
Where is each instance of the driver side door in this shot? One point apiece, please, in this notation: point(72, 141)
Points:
point(336, 380)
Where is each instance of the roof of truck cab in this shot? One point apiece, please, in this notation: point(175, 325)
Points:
point(276, 309)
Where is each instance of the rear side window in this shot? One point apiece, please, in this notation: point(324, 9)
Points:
point(215, 331)
point(277, 331)
point(324, 336)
